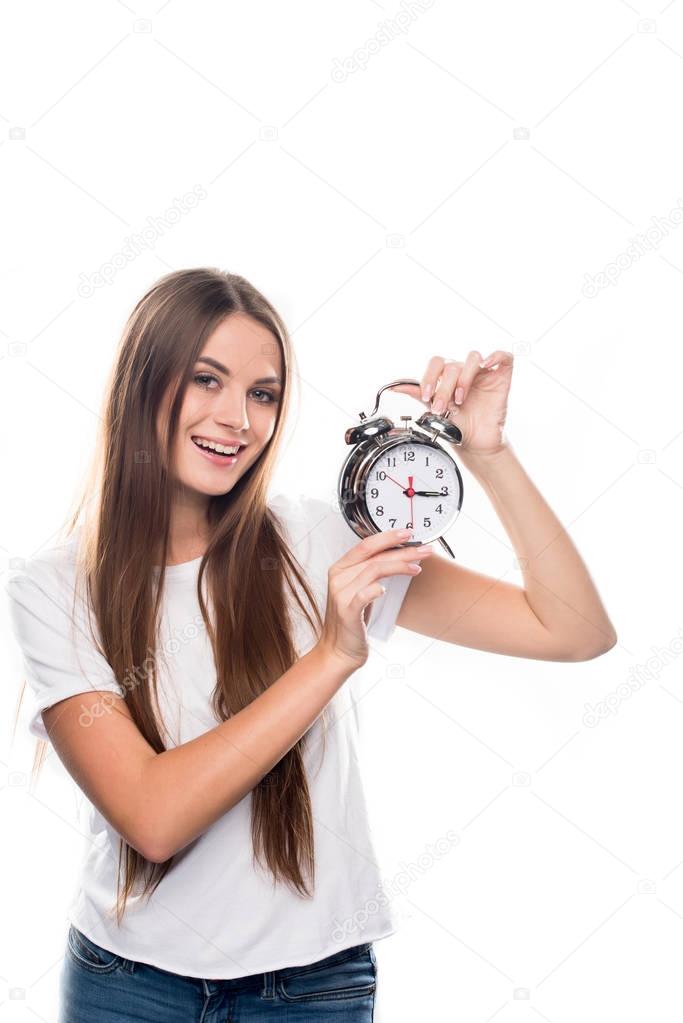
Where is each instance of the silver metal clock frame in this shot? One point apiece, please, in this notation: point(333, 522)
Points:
point(373, 438)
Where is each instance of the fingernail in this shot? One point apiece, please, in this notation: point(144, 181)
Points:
point(459, 395)
point(415, 566)
point(426, 392)
point(437, 406)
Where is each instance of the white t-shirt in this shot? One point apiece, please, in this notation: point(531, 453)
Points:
point(215, 915)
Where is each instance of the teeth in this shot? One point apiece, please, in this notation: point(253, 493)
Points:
point(222, 449)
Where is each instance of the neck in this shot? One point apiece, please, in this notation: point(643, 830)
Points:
point(188, 531)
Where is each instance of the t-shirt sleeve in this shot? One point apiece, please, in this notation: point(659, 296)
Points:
point(326, 534)
point(60, 658)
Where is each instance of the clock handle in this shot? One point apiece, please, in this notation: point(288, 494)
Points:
point(394, 383)
point(428, 421)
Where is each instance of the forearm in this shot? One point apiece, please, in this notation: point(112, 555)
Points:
point(557, 584)
point(185, 789)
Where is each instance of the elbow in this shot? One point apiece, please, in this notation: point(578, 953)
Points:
point(150, 827)
point(141, 841)
point(151, 848)
point(590, 653)
point(150, 838)
point(145, 843)
point(154, 856)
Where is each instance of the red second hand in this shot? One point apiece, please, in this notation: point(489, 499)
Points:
point(409, 492)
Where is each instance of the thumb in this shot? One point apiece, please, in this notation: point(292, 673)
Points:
point(412, 389)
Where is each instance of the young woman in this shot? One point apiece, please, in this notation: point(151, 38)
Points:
point(193, 646)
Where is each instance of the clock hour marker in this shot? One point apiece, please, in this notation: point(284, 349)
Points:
point(410, 487)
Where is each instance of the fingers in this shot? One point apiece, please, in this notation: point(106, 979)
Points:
point(378, 563)
point(363, 597)
point(496, 358)
point(373, 545)
point(350, 587)
point(353, 582)
point(434, 367)
point(467, 374)
point(408, 563)
point(446, 386)
point(451, 380)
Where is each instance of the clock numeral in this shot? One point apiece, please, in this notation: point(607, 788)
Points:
point(427, 523)
point(427, 460)
point(374, 492)
point(444, 491)
point(439, 508)
point(393, 523)
point(408, 525)
point(381, 475)
point(379, 510)
point(439, 474)
point(408, 456)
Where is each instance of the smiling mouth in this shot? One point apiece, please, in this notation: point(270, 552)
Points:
point(216, 457)
point(234, 449)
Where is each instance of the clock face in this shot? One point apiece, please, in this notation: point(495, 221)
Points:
point(413, 486)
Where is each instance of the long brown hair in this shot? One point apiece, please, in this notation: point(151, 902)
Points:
point(126, 500)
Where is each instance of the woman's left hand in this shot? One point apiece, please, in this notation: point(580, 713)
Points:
point(474, 395)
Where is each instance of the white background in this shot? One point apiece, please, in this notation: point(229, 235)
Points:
point(449, 190)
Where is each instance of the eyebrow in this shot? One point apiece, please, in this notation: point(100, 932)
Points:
point(223, 369)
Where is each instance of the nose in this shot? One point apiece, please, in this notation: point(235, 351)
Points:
point(232, 409)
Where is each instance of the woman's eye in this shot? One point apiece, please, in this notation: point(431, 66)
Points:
point(201, 379)
point(271, 397)
point(204, 379)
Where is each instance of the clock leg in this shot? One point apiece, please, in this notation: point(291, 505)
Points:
point(445, 545)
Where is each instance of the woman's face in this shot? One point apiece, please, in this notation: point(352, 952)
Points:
point(230, 400)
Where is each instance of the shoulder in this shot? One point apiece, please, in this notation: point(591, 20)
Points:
point(46, 577)
point(49, 619)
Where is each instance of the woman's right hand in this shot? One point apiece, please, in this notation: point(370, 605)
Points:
point(353, 583)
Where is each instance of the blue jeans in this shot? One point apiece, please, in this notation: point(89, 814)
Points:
point(98, 986)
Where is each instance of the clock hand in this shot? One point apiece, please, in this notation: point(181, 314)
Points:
point(410, 492)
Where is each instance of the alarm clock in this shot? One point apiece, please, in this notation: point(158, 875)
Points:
point(401, 477)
